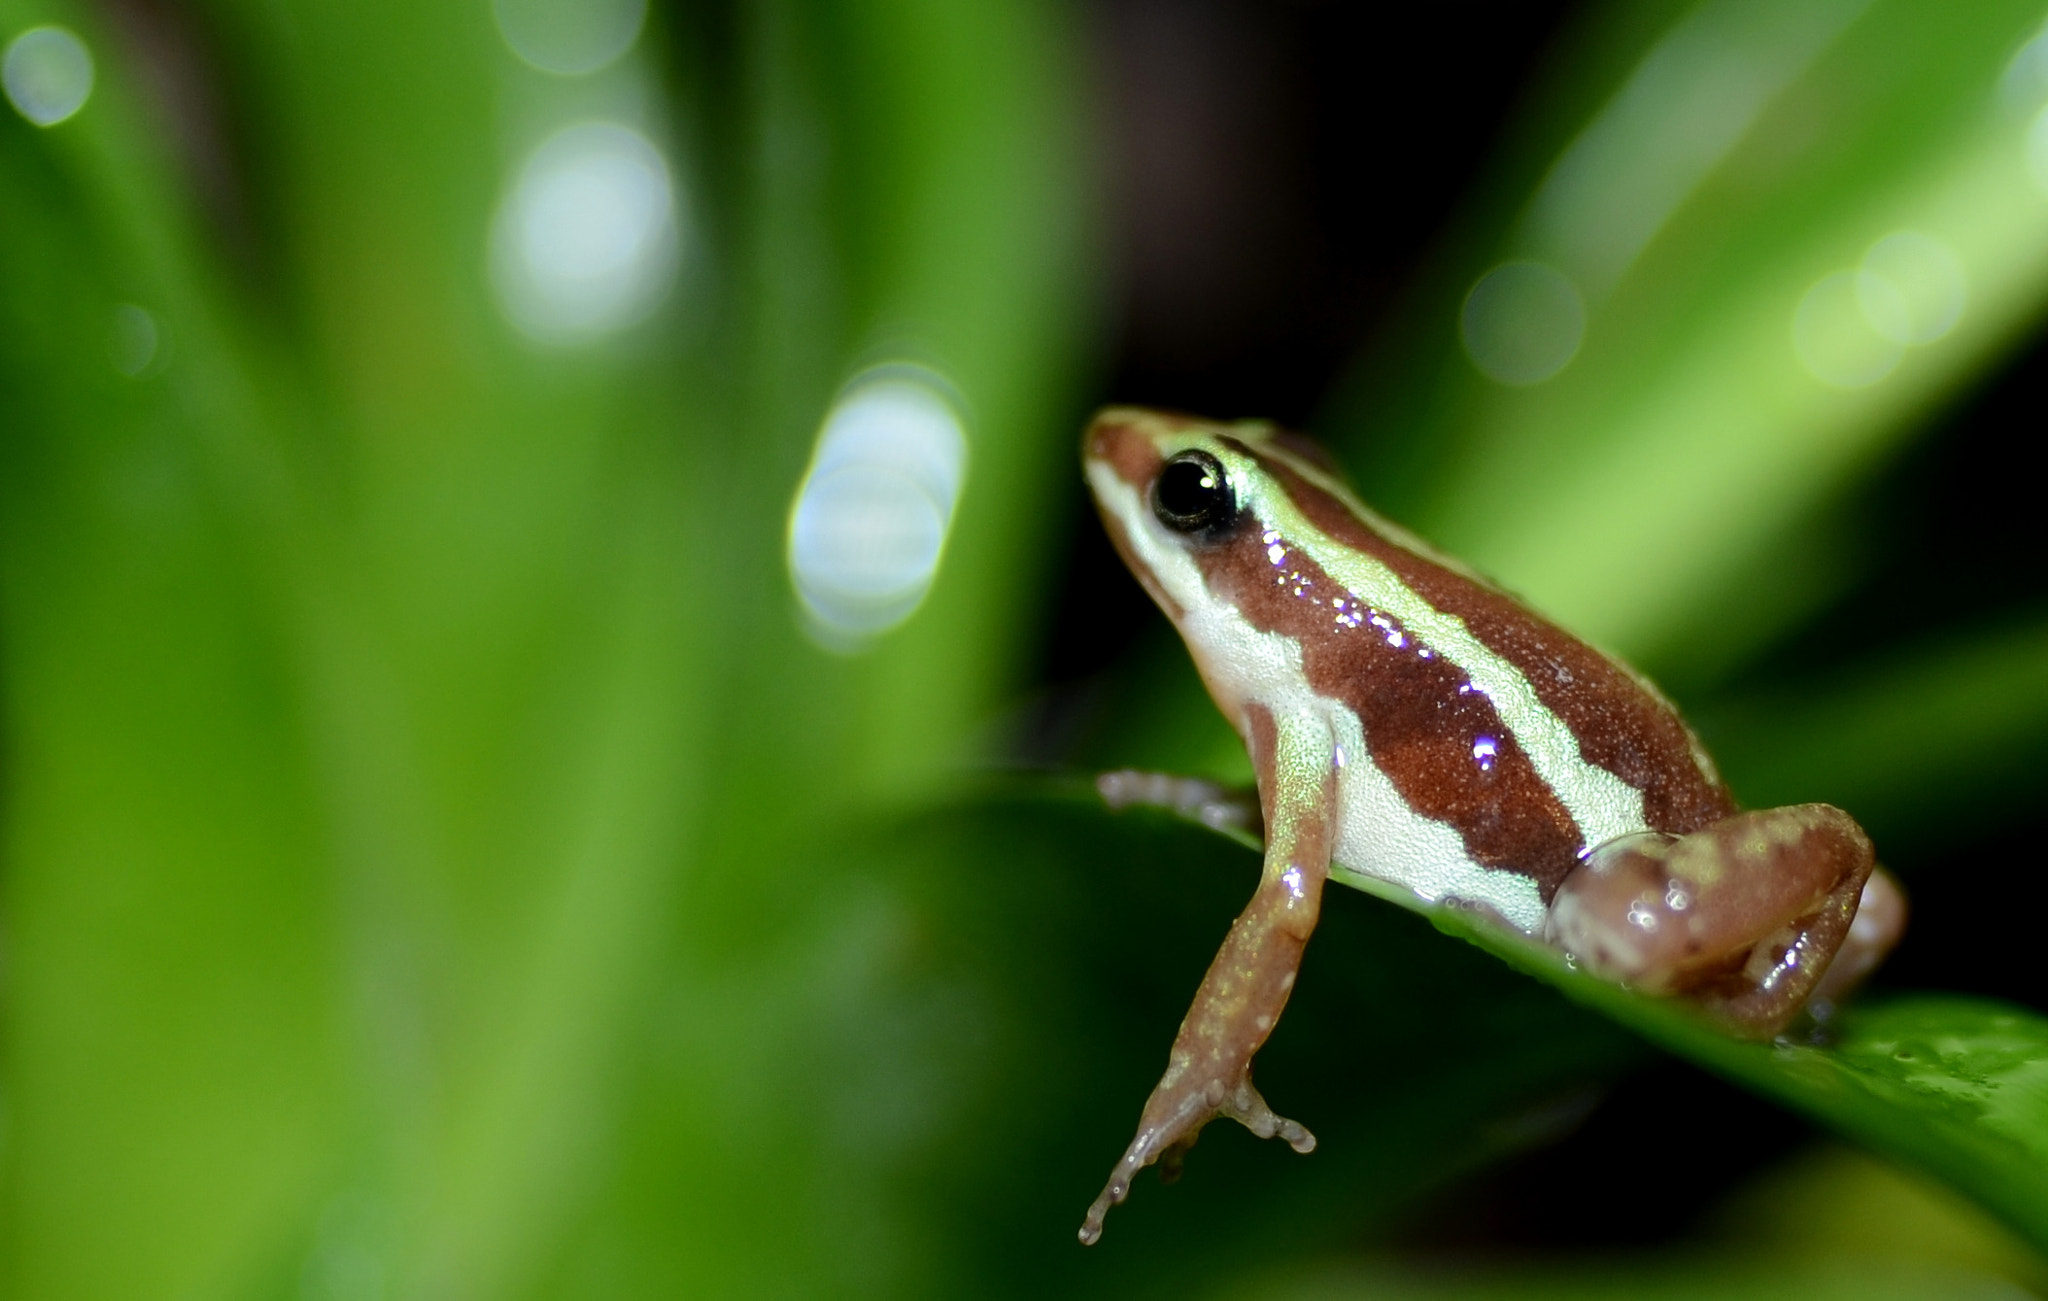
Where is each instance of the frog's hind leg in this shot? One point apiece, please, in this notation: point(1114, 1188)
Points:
point(1208, 1073)
point(1742, 916)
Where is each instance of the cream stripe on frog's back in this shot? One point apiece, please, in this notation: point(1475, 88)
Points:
point(1603, 805)
point(1622, 724)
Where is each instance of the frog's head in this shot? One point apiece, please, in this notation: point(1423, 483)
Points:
point(1190, 504)
point(1181, 495)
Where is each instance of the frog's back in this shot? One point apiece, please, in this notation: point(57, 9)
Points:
point(1481, 713)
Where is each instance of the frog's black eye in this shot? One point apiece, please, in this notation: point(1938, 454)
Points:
point(1191, 495)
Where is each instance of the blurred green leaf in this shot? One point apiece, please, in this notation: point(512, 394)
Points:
point(1927, 737)
point(1753, 150)
point(401, 706)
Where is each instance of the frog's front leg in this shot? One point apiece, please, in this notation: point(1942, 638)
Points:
point(1742, 916)
point(1208, 1073)
point(1215, 806)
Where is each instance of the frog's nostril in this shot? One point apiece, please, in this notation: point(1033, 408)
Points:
point(1109, 431)
point(1117, 438)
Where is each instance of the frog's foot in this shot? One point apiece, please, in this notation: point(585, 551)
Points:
point(1217, 807)
point(1173, 1120)
point(1209, 1071)
point(1743, 916)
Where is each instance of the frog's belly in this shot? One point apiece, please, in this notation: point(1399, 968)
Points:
point(1379, 835)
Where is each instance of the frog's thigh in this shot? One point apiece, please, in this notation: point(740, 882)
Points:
point(1743, 915)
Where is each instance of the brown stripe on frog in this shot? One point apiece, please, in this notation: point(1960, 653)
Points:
point(1436, 737)
point(1137, 462)
point(1121, 444)
point(1621, 725)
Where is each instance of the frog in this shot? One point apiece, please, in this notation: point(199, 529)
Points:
point(1412, 725)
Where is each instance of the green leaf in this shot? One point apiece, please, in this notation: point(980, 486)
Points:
point(1916, 741)
point(399, 707)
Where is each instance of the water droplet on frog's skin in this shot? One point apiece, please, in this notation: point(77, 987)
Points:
point(1484, 749)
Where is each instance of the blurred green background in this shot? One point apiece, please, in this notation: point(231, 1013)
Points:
point(551, 635)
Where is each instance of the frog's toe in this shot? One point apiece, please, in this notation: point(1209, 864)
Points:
point(1136, 1158)
point(1247, 1108)
point(1169, 1130)
point(1091, 1224)
point(1149, 1147)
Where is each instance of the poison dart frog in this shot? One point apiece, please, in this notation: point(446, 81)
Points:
point(1411, 724)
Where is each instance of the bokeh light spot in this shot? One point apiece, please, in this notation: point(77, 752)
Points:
point(569, 38)
point(1926, 290)
point(47, 72)
point(871, 517)
point(587, 239)
point(133, 340)
point(2025, 81)
point(1837, 335)
point(1522, 323)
